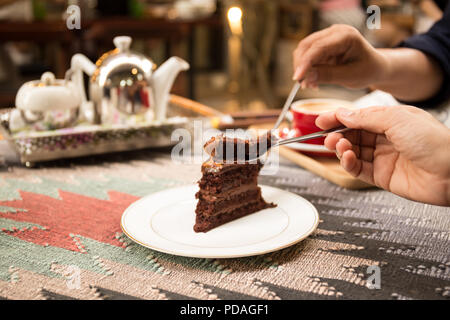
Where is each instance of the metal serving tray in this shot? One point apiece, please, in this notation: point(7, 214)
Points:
point(87, 140)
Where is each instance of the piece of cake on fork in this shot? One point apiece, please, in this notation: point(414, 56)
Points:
point(228, 190)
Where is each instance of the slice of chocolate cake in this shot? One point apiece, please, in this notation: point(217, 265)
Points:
point(228, 191)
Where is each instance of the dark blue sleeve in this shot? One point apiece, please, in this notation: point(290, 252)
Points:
point(435, 43)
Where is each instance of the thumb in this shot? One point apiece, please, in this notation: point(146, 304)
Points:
point(372, 119)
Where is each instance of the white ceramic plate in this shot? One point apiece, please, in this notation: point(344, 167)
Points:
point(164, 221)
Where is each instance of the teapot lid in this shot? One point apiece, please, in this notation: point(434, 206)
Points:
point(47, 79)
point(121, 64)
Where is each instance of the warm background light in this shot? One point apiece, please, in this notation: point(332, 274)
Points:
point(234, 16)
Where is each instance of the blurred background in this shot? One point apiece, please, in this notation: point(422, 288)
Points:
point(240, 51)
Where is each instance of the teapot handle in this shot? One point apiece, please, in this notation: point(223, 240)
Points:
point(78, 65)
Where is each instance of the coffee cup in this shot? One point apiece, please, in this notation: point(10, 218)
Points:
point(305, 112)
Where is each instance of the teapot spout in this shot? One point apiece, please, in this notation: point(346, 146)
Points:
point(163, 79)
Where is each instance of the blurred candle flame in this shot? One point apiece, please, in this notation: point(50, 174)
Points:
point(234, 16)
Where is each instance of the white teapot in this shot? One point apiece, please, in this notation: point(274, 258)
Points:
point(46, 104)
point(123, 86)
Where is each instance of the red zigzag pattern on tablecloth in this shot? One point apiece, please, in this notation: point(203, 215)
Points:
point(69, 216)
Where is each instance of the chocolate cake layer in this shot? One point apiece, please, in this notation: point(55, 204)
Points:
point(210, 167)
point(228, 177)
point(228, 149)
point(209, 196)
point(216, 186)
point(204, 223)
point(227, 204)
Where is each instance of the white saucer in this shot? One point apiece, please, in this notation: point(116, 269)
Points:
point(309, 148)
point(164, 221)
point(304, 147)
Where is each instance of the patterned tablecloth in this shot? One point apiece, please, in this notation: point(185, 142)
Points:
point(60, 238)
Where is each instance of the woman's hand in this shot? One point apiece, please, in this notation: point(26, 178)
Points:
point(401, 149)
point(339, 55)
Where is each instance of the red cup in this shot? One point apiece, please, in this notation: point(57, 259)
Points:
point(306, 111)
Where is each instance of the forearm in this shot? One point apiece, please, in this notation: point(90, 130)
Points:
point(409, 75)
